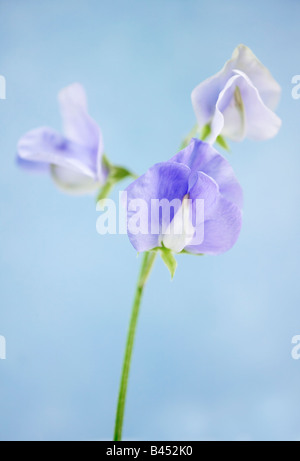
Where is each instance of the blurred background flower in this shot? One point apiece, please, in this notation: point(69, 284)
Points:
point(75, 159)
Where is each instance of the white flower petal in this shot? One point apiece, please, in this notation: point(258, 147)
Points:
point(240, 112)
point(215, 103)
point(72, 182)
point(205, 96)
point(229, 116)
point(260, 121)
point(244, 59)
point(180, 231)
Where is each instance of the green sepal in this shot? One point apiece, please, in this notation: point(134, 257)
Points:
point(115, 174)
point(105, 190)
point(222, 142)
point(184, 252)
point(168, 258)
point(206, 130)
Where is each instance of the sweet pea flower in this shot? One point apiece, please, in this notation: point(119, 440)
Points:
point(239, 100)
point(74, 159)
point(196, 172)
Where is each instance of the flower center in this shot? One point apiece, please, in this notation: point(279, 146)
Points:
point(238, 99)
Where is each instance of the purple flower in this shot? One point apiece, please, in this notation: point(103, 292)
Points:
point(74, 159)
point(196, 174)
point(239, 100)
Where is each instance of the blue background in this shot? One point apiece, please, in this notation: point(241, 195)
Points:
point(213, 350)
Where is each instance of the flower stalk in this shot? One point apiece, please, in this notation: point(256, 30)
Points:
point(147, 264)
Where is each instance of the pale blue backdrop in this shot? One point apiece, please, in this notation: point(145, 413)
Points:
point(213, 351)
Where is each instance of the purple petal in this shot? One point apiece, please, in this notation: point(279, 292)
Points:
point(45, 145)
point(34, 167)
point(78, 125)
point(163, 181)
point(201, 156)
point(222, 227)
point(207, 189)
point(205, 96)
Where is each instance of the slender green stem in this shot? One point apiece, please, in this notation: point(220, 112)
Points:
point(147, 264)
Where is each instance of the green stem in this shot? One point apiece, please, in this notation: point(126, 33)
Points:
point(147, 264)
